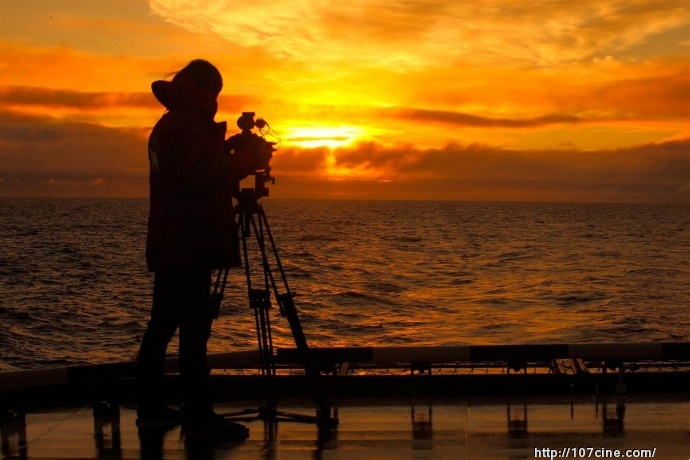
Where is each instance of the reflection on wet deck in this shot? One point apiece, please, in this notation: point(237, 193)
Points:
point(424, 427)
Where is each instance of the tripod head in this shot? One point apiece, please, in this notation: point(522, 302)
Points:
point(248, 197)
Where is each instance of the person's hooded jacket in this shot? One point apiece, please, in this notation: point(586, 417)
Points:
point(191, 223)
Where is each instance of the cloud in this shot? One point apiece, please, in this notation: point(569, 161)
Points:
point(465, 119)
point(72, 184)
point(646, 173)
point(41, 155)
point(40, 151)
point(300, 161)
point(664, 96)
point(57, 98)
point(412, 34)
point(84, 100)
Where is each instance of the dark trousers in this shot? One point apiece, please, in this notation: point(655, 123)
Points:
point(181, 299)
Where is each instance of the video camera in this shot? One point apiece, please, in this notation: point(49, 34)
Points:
point(261, 151)
point(248, 141)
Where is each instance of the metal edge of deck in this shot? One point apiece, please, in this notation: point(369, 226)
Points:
point(23, 378)
point(117, 381)
point(325, 357)
point(505, 353)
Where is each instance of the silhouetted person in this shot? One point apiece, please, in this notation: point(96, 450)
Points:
point(191, 230)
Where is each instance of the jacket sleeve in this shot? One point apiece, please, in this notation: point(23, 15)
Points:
point(202, 164)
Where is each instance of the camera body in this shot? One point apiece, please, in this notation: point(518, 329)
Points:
point(248, 142)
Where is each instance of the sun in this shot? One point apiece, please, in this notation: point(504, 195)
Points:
point(331, 137)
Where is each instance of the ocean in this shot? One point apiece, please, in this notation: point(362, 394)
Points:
point(74, 287)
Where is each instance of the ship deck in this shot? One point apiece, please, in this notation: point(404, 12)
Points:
point(470, 402)
point(382, 428)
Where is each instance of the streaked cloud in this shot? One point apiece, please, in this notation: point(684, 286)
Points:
point(465, 119)
point(18, 96)
point(46, 97)
point(414, 33)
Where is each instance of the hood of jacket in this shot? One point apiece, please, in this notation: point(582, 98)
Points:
point(183, 93)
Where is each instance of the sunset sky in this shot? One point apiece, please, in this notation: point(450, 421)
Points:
point(541, 100)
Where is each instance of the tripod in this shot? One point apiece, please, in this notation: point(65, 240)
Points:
point(252, 221)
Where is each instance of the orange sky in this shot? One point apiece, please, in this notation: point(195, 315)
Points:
point(492, 100)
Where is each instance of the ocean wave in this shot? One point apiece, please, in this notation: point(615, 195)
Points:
point(655, 271)
point(318, 238)
point(577, 298)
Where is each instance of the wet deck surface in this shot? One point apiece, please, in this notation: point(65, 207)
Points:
point(401, 428)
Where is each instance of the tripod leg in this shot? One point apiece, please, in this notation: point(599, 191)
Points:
point(218, 290)
point(288, 309)
point(323, 404)
point(260, 302)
